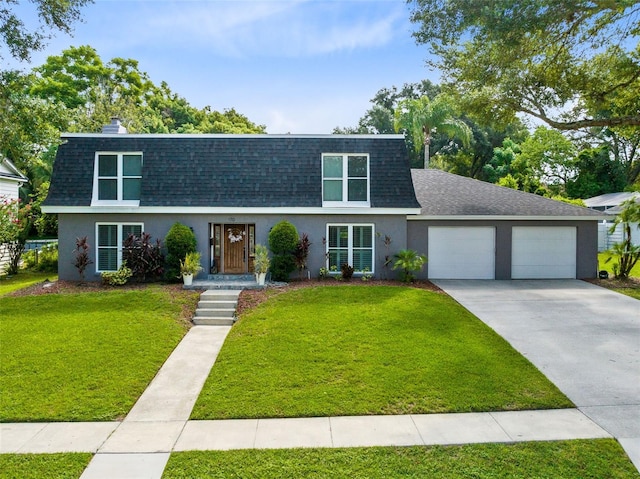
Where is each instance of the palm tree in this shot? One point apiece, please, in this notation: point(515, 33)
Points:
point(422, 117)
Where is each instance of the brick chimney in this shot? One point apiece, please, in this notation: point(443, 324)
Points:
point(114, 128)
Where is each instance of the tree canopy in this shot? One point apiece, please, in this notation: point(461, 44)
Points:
point(53, 15)
point(77, 91)
point(570, 63)
point(422, 117)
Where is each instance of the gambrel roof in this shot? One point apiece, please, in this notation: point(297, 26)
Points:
point(232, 170)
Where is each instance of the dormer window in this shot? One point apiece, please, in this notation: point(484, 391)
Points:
point(117, 178)
point(345, 179)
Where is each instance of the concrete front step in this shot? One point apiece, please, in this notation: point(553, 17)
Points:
point(232, 277)
point(221, 295)
point(222, 313)
point(209, 304)
point(223, 285)
point(206, 321)
point(217, 308)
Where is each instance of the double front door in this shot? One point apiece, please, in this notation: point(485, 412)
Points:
point(232, 248)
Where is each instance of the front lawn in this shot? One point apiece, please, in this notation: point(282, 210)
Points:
point(594, 459)
point(23, 279)
point(85, 356)
point(359, 350)
point(38, 466)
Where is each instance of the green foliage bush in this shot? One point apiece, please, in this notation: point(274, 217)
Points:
point(282, 265)
point(180, 241)
point(45, 260)
point(283, 240)
point(409, 262)
point(117, 278)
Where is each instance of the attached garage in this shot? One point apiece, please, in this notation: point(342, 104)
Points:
point(543, 252)
point(471, 229)
point(461, 252)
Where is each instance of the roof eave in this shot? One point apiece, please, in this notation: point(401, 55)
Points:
point(421, 217)
point(58, 209)
point(387, 136)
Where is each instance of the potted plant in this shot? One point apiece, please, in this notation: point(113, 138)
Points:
point(189, 267)
point(261, 263)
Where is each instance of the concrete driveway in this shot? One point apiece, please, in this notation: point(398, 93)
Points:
point(584, 338)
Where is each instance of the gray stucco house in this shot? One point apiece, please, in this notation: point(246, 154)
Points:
point(347, 192)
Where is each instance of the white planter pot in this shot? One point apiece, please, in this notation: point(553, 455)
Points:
point(260, 277)
point(187, 279)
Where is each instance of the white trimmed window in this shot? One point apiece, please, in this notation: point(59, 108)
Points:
point(352, 244)
point(345, 179)
point(117, 178)
point(110, 238)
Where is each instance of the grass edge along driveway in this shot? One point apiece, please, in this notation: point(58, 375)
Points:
point(349, 350)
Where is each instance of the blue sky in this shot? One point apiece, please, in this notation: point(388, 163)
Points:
point(294, 66)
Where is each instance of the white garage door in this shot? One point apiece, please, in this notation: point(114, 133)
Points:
point(543, 252)
point(462, 252)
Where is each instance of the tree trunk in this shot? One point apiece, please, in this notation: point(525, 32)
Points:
point(427, 143)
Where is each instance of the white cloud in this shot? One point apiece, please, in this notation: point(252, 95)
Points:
point(277, 28)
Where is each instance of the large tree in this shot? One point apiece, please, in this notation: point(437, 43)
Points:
point(97, 91)
point(379, 119)
point(421, 118)
point(550, 157)
point(570, 63)
point(53, 15)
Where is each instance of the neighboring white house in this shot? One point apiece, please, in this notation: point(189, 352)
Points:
point(11, 178)
point(610, 205)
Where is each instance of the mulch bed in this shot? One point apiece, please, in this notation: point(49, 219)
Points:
point(614, 283)
point(69, 287)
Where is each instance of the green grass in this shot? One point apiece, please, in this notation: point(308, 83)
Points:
point(603, 265)
point(22, 280)
point(633, 292)
point(39, 466)
point(348, 350)
point(87, 356)
point(584, 459)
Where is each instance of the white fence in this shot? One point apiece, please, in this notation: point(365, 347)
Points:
point(31, 245)
point(606, 240)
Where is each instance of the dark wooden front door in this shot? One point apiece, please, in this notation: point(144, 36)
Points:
point(235, 244)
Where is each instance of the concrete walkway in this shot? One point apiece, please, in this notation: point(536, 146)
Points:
point(140, 446)
point(584, 338)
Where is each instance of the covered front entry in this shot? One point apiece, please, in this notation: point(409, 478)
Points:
point(232, 248)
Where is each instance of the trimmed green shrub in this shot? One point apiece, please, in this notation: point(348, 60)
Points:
point(283, 240)
point(117, 278)
point(179, 241)
point(282, 265)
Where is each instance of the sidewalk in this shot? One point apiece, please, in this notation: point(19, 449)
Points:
point(140, 446)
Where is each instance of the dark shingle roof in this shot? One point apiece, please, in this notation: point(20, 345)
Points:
point(233, 170)
point(445, 194)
